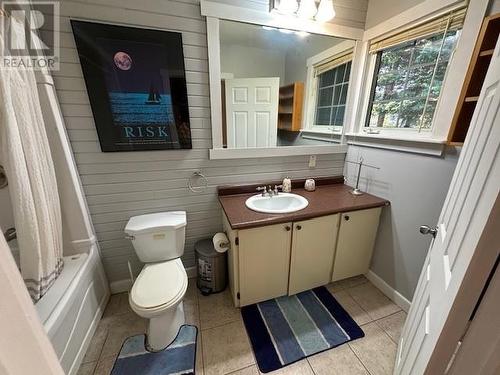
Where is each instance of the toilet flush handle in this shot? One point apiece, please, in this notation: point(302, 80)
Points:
point(129, 237)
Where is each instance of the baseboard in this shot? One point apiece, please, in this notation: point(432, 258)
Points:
point(121, 286)
point(389, 291)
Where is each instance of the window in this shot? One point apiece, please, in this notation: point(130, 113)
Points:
point(331, 96)
point(408, 80)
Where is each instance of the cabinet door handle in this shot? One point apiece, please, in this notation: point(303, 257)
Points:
point(287, 228)
point(346, 217)
point(299, 227)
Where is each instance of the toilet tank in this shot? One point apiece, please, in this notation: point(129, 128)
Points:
point(158, 237)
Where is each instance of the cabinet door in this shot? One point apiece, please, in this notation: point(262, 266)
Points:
point(313, 248)
point(357, 233)
point(264, 254)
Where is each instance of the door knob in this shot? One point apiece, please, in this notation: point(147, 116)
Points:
point(287, 228)
point(425, 229)
point(299, 227)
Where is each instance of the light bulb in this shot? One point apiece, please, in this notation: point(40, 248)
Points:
point(307, 9)
point(325, 11)
point(287, 6)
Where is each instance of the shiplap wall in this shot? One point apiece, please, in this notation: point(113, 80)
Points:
point(348, 12)
point(120, 185)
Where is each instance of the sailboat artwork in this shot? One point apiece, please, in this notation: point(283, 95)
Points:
point(154, 96)
point(137, 86)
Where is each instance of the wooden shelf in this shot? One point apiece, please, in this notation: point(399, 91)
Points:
point(471, 99)
point(291, 100)
point(474, 79)
point(488, 52)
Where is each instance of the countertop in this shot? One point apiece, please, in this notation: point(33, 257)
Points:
point(326, 200)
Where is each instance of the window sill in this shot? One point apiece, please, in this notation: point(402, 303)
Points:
point(418, 144)
point(249, 153)
point(323, 132)
point(323, 136)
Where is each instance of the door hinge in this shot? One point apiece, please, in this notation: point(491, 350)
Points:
point(238, 295)
point(237, 241)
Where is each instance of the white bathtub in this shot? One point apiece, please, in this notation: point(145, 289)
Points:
point(72, 308)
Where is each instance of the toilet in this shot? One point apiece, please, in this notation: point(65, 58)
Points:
point(158, 291)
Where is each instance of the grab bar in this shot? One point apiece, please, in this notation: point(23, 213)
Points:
point(10, 234)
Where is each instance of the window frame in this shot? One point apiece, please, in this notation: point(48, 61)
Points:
point(408, 140)
point(330, 128)
point(376, 59)
point(312, 82)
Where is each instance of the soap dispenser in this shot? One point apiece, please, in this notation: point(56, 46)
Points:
point(287, 185)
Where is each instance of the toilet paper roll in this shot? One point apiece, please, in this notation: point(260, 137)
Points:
point(221, 242)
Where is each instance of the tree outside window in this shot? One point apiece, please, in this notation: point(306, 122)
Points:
point(408, 80)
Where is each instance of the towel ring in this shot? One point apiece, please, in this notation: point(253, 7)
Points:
point(197, 189)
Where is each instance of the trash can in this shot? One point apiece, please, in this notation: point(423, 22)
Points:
point(212, 267)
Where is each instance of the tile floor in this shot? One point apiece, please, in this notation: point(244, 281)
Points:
point(224, 347)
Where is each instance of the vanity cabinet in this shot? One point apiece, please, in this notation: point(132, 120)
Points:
point(356, 238)
point(313, 248)
point(275, 260)
point(264, 258)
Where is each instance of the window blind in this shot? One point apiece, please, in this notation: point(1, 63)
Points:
point(333, 62)
point(450, 21)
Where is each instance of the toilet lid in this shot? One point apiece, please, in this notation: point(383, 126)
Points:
point(159, 284)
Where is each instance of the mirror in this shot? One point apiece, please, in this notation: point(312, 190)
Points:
point(281, 87)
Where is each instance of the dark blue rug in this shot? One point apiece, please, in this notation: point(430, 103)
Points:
point(286, 329)
point(178, 358)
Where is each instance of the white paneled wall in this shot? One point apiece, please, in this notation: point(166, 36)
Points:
point(120, 185)
point(350, 13)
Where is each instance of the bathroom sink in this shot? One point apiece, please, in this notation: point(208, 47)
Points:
point(278, 204)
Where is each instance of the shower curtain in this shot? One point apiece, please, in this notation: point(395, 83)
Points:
point(27, 159)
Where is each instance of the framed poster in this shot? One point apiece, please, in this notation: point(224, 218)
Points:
point(136, 84)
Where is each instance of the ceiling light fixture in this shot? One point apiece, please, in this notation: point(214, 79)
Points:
point(326, 12)
point(307, 9)
point(304, 9)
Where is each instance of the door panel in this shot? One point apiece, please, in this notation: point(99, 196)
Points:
point(264, 261)
point(313, 247)
point(252, 112)
point(470, 199)
point(357, 233)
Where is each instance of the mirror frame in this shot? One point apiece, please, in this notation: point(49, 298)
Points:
point(214, 12)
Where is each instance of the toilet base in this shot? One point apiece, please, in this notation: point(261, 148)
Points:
point(163, 329)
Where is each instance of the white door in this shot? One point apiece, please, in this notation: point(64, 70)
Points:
point(252, 112)
point(473, 191)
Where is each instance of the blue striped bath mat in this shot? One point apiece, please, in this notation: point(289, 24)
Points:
point(178, 358)
point(286, 329)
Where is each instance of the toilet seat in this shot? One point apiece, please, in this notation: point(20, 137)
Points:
point(158, 287)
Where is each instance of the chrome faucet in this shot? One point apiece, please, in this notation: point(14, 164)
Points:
point(276, 189)
point(263, 189)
